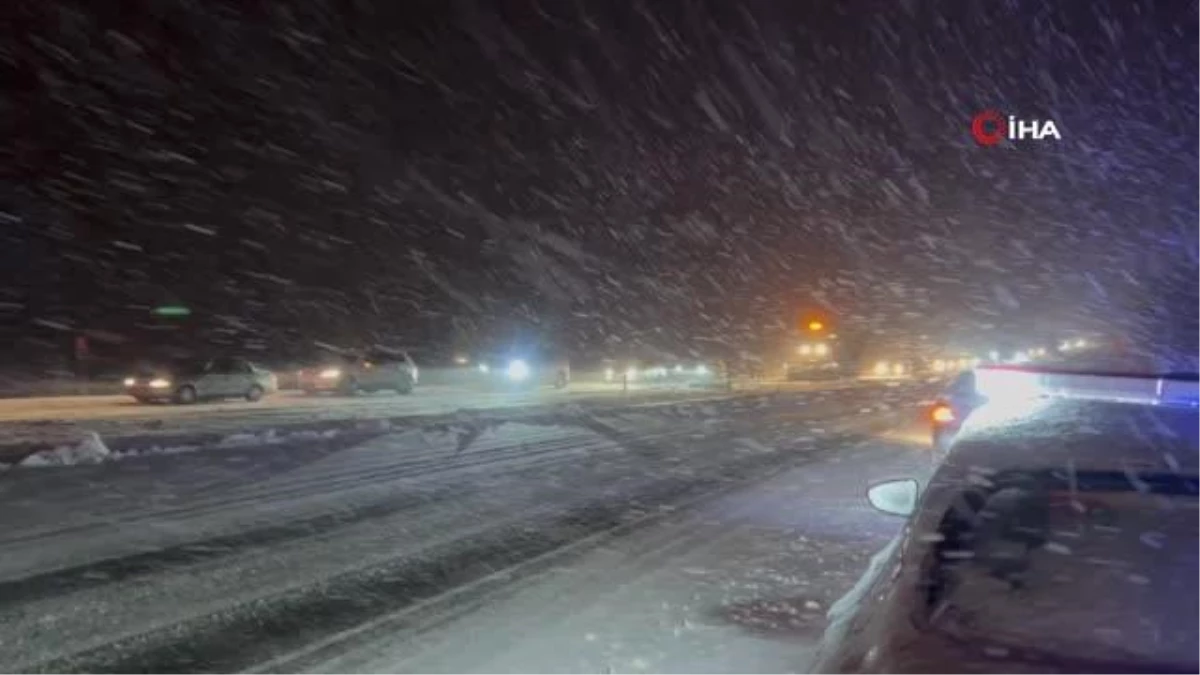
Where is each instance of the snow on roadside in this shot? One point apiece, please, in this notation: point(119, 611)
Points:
point(89, 450)
point(267, 437)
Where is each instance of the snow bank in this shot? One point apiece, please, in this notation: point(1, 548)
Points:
point(89, 450)
point(267, 437)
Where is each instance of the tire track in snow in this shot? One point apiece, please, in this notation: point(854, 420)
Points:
point(230, 640)
point(680, 458)
point(117, 569)
point(431, 463)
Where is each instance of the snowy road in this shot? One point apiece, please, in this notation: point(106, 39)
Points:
point(697, 536)
point(48, 421)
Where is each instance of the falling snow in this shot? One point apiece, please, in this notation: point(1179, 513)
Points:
point(610, 186)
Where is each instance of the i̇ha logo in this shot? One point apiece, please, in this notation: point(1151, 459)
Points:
point(990, 127)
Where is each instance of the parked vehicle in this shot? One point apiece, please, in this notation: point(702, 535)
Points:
point(1058, 535)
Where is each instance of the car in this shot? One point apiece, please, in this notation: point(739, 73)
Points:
point(526, 368)
point(190, 381)
point(376, 370)
point(950, 410)
point(1059, 535)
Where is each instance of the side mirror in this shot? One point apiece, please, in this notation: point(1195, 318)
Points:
point(894, 497)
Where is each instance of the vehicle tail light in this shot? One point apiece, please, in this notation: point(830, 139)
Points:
point(942, 414)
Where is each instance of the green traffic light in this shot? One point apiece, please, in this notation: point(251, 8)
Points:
point(172, 310)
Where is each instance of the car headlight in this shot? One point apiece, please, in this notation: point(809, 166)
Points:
point(331, 374)
point(898, 369)
point(159, 383)
point(483, 368)
point(821, 349)
point(129, 382)
point(608, 374)
point(882, 368)
point(805, 350)
point(631, 373)
point(701, 369)
point(678, 368)
point(518, 370)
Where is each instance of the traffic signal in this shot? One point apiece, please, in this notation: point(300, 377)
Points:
point(816, 326)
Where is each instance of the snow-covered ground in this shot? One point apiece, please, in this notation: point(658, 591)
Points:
point(635, 537)
point(741, 583)
point(53, 421)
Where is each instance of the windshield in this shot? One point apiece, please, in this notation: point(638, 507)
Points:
point(537, 336)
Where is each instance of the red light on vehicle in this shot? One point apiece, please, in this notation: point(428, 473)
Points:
point(942, 414)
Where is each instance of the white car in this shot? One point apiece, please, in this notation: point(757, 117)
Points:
point(1059, 535)
point(199, 380)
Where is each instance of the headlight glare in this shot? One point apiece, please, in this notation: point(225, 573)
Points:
point(518, 370)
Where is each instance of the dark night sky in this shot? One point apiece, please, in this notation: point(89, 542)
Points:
point(665, 173)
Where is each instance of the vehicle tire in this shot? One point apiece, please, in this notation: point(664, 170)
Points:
point(255, 393)
point(185, 395)
point(404, 386)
